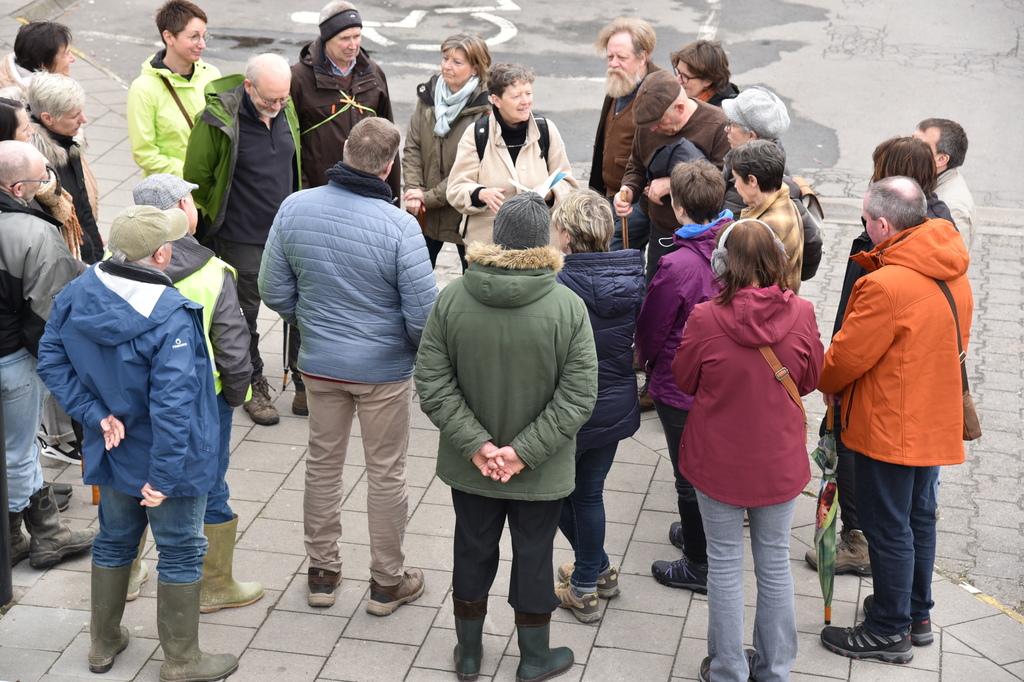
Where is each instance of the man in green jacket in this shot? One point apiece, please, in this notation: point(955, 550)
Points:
point(165, 99)
point(507, 370)
point(244, 157)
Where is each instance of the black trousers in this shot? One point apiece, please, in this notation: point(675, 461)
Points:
point(695, 543)
point(479, 522)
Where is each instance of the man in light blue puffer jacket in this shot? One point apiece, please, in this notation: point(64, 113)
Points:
point(351, 270)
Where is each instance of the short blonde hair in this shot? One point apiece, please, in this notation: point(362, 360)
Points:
point(474, 46)
point(587, 217)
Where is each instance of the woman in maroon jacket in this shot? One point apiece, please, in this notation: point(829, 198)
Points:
point(744, 446)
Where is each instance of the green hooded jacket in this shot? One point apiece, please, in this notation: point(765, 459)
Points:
point(508, 356)
point(213, 150)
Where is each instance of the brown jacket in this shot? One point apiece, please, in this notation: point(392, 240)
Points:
point(705, 129)
point(496, 170)
point(316, 95)
point(427, 159)
point(780, 213)
point(613, 144)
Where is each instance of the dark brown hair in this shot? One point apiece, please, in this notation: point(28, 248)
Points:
point(952, 139)
point(706, 59)
point(754, 258)
point(502, 76)
point(38, 43)
point(699, 189)
point(906, 156)
point(175, 15)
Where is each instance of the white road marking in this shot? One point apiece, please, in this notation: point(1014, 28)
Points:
point(709, 27)
point(507, 31)
point(120, 38)
point(505, 5)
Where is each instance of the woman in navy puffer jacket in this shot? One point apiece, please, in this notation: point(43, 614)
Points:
point(611, 284)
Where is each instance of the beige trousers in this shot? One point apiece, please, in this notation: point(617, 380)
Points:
point(383, 411)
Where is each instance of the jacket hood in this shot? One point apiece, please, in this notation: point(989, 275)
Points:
point(701, 238)
point(98, 304)
point(8, 204)
point(224, 98)
point(604, 278)
point(510, 279)
point(933, 248)
point(756, 316)
point(187, 258)
point(154, 66)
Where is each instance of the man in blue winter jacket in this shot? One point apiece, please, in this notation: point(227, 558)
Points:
point(124, 354)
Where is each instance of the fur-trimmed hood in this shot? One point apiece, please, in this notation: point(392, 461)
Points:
point(503, 278)
point(50, 145)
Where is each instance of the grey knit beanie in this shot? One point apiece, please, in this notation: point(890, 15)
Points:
point(760, 110)
point(523, 222)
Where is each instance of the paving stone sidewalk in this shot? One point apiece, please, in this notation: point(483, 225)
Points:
point(650, 632)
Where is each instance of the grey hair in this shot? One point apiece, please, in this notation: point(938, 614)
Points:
point(899, 200)
point(15, 161)
point(335, 7)
point(268, 62)
point(54, 94)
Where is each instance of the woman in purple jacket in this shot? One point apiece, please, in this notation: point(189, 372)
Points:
point(745, 444)
point(683, 280)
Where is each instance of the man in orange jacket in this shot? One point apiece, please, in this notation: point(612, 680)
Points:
point(896, 363)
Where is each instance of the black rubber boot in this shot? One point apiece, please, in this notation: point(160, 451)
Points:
point(109, 637)
point(537, 660)
point(51, 539)
point(19, 543)
point(469, 628)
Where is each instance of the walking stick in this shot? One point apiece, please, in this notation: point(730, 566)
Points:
point(625, 222)
point(286, 349)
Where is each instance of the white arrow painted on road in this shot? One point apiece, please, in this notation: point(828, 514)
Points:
point(507, 32)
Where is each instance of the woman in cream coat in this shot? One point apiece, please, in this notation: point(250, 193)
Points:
point(478, 186)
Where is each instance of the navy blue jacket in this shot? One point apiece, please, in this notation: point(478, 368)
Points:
point(612, 286)
point(122, 341)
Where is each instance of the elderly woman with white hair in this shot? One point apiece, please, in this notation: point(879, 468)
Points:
point(57, 104)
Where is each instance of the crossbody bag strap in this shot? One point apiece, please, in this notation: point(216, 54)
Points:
point(782, 374)
point(959, 340)
point(177, 100)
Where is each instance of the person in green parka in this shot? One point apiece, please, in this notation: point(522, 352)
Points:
point(507, 370)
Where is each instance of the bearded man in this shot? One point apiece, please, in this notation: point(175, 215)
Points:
point(628, 43)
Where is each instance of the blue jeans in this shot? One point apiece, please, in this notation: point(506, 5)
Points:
point(639, 230)
point(177, 526)
point(23, 394)
point(582, 520)
point(896, 505)
point(775, 618)
point(217, 508)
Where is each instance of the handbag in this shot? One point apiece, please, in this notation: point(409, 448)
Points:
point(782, 375)
point(972, 425)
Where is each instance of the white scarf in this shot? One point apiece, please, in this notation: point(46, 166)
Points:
point(448, 106)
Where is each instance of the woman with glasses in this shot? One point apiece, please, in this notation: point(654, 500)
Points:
point(702, 68)
point(164, 101)
point(446, 105)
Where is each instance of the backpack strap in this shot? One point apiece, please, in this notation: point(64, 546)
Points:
point(482, 128)
point(782, 375)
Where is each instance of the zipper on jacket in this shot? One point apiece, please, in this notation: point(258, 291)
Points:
point(846, 417)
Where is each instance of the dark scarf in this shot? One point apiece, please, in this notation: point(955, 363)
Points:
point(135, 272)
point(361, 183)
point(514, 136)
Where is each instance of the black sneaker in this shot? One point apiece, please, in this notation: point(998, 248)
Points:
point(682, 574)
point(859, 642)
point(63, 452)
point(920, 630)
point(675, 534)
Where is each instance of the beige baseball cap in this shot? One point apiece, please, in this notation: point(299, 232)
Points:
point(138, 231)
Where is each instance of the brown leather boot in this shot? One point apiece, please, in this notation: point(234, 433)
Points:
point(384, 601)
point(851, 554)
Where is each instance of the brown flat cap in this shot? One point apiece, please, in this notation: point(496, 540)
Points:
point(657, 93)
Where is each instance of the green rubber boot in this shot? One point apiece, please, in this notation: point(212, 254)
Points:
point(108, 636)
point(220, 589)
point(469, 628)
point(537, 660)
point(140, 572)
point(177, 622)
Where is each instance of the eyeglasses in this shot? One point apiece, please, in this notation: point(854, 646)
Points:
point(269, 102)
point(50, 174)
point(730, 126)
point(195, 38)
point(683, 78)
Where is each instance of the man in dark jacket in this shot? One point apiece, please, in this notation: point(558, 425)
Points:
point(244, 157)
point(35, 264)
point(629, 43)
point(124, 354)
point(335, 85)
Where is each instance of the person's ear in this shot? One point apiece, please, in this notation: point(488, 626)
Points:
point(46, 118)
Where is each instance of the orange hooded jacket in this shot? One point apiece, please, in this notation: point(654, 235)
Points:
point(895, 358)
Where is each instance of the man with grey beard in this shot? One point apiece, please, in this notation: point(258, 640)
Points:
point(244, 157)
point(628, 43)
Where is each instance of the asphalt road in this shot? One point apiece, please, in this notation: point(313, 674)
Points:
point(853, 72)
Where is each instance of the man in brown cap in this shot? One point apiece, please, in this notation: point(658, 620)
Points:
point(663, 114)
